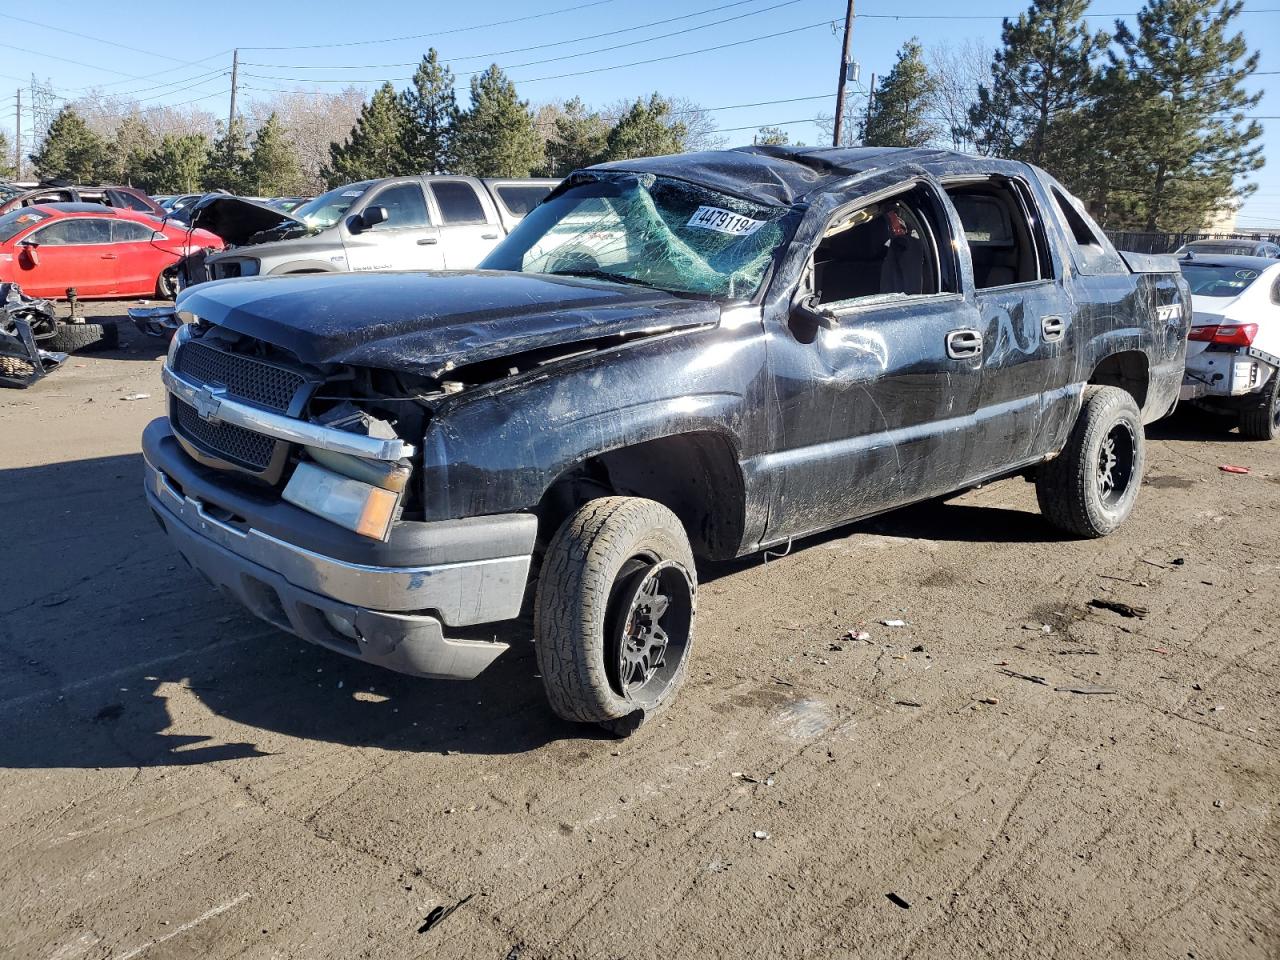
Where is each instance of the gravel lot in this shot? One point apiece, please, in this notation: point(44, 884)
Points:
point(180, 780)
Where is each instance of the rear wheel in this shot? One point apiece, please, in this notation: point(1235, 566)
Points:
point(1090, 488)
point(614, 613)
point(1262, 420)
point(167, 283)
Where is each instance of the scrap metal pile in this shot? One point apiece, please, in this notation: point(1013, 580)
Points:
point(24, 323)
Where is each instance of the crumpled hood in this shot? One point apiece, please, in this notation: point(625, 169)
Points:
point(428, 323)
point(235, 219)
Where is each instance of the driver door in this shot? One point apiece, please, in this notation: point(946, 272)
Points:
point(877, 408)
point(71, 252)
point(406, 240)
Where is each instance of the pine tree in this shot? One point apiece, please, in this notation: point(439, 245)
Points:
point(578, 141)
point(134, 142)
point(1174, 101)
point(431, 110)
point(8, 170)
point(899, 115)
point(496, 137)
point(375, 146)
point(71, 151)
point(228, 167)
point(772, 137)
point(273, 163)
point(177, 165)
point(646, 130)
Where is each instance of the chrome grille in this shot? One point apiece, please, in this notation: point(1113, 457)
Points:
point(244, 377)
point(235, 444)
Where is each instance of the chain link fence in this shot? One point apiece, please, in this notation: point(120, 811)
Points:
point(1169, 242)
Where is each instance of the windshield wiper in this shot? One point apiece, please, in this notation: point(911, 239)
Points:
point(599, 275)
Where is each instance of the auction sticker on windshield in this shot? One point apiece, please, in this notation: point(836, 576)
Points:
point(724, 221)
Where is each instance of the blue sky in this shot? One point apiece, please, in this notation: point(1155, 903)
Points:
point(182, 51)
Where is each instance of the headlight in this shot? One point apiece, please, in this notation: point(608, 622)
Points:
point(368, 510)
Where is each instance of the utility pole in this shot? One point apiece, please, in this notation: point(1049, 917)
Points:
point(871, 102)
point(844, 74)
point(17, 136)
point(235, 69)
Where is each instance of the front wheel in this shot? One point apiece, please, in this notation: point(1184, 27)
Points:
point(614, 613)
point(1261, 421)
point(1090, 487)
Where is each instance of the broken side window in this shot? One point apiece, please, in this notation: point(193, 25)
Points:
point(887, 249)
point(655, 231)
point(1006, 241)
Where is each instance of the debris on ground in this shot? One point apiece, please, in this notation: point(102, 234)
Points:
point(1025, 676)
point(1232, 468)
point(908, 703)
point(761, 834)
point(898, 901)
point(25, 322)
point(439, 914)
point(1120, 607)
point(136, 396)
point(894, 623)
point(990, 701)
point(1087, 689)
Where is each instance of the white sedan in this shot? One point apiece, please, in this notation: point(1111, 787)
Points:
point(1233, 357)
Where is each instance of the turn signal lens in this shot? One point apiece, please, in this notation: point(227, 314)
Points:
point(379, 511)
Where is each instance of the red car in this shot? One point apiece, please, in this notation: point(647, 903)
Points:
point(100, 251)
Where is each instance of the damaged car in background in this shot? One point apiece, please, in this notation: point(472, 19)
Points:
point(399, 223)
point(670, 360)
point(1233, 360)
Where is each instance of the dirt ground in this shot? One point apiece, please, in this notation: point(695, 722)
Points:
point(178, 780)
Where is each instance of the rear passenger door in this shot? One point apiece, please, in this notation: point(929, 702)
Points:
point(406, 240)
point(1026, 320)
point(469, 222)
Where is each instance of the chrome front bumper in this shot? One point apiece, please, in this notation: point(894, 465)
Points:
point(398, 614)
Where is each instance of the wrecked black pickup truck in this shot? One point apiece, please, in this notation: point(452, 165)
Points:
point(670, 360)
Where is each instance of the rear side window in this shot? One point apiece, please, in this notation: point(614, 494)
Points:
point(1092, 254)
point(519, 200)
point(1006, 241)
point(406, 206)
point(458, 202)
point(127, 231)
point(74, 232)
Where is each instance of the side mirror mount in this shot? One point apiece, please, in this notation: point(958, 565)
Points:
point(29, 256)
point(812, 312)
point(373, 216)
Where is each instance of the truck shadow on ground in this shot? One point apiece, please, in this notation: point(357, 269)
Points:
point(114, 653)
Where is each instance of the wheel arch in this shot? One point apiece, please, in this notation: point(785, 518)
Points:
point(1130, 370)
point(696, 474)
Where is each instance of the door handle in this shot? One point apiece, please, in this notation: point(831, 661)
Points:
point(428, 241)
point(488, 236)
point(964, 344)
point(109, 256)
point(1053, 328)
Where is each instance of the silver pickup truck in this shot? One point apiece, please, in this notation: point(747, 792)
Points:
point(397, 223)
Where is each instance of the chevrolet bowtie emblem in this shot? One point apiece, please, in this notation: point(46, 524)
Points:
point(207, 401)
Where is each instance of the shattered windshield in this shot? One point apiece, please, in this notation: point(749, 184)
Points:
point(328, 208)
point(1214, 280)
point(654, 231)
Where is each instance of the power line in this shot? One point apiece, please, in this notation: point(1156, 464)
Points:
point(96, 39)
point(572, 56)
point(576, 73)
point(542, 46)
point(437, 33)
